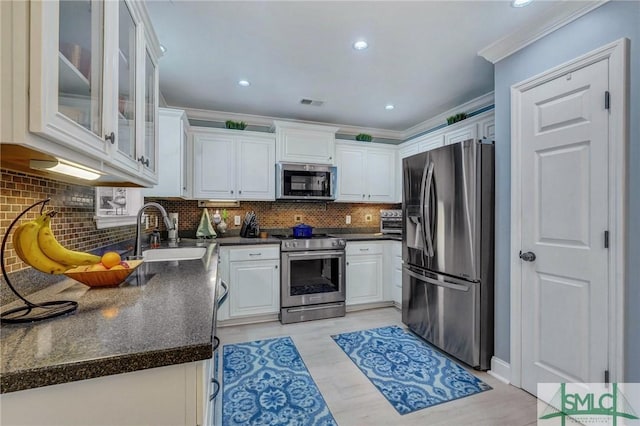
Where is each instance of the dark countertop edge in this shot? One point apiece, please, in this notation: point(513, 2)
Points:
point(371, 238)
point(90, 369)
point(238, 241)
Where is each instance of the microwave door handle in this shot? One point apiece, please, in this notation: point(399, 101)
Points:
point(426, 210)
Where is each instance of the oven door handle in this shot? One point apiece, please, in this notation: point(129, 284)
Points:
point(314, 308)
point(315, 254)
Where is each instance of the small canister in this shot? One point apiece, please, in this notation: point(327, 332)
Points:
point(154, 239)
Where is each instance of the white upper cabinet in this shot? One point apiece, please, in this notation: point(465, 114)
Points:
point(305, 143)
point(470, 131)
point(174, 171)
point(430, 142)
point(487, 129)
point(480, 126)
point(366, 172)
point(93, 83)
point(233, 165)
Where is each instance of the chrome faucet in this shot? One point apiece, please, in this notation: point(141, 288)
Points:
point(165, 217)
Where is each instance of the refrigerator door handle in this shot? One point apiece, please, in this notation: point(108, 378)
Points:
point(422, 225)
point(426, 210)
point(444, 283)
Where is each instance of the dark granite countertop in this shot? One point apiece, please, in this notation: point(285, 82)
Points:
point(162, 315)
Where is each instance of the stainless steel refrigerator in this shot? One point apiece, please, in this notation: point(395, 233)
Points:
point(448, 249)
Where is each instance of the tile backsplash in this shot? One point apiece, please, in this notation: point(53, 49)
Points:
point(73, 226)
point(278, 215)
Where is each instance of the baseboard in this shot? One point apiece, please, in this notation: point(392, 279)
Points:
point(364, 306)
point(248, 320)
point(500, 369)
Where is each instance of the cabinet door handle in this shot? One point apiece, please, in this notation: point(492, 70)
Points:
point(216, 390)
point(223, 297)
point(276, 266)
point(362, 195)
point(239, 192)
point(111, 138)
point(144, 161)
point(364, 249)
point(347, 263)
point(255, 254)
point(216, 343)
point(231, 191)
point(369, 195)
point(330, 158)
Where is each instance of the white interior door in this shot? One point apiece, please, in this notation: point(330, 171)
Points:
point(564, 193)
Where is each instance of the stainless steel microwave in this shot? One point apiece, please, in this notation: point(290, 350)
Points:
point(305, 182)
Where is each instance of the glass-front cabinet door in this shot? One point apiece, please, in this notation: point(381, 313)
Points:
point(80, 56)
point(150, 113)
point(127, 47)
point(68, 93)
point(93, 81)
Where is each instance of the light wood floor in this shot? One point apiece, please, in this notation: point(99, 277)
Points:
point(352, 398)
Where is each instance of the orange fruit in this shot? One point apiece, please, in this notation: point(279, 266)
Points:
point(116, 267)
point(97, 267)
point(110, 259)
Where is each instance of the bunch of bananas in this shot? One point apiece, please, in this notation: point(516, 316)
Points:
point(36, 245)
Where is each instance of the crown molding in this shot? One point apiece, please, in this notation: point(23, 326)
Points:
point(473, 105)
point(266, 121)
point(558, 16)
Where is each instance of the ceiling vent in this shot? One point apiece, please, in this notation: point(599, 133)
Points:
point(311, 102)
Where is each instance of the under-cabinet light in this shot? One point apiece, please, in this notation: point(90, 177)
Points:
point(65, 168)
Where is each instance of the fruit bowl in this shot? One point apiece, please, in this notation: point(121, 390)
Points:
point(107, 278)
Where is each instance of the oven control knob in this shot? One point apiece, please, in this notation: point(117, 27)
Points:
point(341, 242)
point(286, 244)
point(334, 243)
point(294, 244)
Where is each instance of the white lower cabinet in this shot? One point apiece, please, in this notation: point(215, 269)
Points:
point(171, 395)
point(365, 272)
point(253, 276)
point(396, 272)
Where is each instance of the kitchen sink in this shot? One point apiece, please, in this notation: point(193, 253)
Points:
point(176, 253)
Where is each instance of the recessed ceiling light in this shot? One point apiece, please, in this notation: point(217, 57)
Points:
point(360, 45)
point(163, 49)
point(389, 107)
point(520, 3)
point(244, 83)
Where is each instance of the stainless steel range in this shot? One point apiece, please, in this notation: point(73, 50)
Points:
point(312, 278)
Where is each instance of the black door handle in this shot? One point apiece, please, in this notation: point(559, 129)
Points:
point(528, 256)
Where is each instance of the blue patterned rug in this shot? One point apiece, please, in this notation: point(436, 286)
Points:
point(408, 371)
point(267, 383)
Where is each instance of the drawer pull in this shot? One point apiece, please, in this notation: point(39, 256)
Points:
point(364, 249)
point(255, 254)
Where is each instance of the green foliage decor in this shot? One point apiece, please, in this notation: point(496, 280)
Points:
point(237, 125)
point(363, 137)
point(455, 118)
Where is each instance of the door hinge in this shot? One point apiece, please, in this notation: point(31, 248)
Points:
point(607, 100)
point(606, 376)
point(606, 239)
